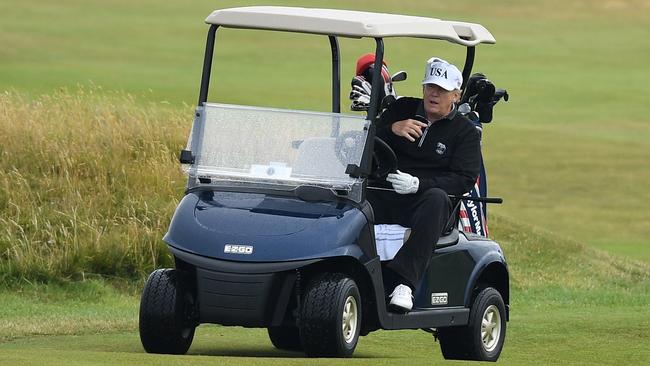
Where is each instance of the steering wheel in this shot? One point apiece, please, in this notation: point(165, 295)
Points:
point(384, 160)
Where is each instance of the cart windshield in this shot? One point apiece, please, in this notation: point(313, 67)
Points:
point(274, 148)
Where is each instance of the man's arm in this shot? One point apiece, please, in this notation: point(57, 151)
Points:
point(410, 129)
point(463, 170)
point(402, 109)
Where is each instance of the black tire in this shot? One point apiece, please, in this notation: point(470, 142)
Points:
point(477, 341)
point(324, 332)
point(166, 311)
point(285, 338)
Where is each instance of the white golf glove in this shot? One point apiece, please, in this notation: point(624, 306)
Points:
point(403, 183)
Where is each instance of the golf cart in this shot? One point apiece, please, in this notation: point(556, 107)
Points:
point(274, 230)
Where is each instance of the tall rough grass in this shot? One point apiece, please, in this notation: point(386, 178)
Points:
point(88, 183)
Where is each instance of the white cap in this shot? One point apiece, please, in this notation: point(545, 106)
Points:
point(443, 74)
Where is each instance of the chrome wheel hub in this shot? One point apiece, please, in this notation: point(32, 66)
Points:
point(350, 316)
point(491, 328)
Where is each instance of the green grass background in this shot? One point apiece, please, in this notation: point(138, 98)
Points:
point(568, 153)
point(97, 98)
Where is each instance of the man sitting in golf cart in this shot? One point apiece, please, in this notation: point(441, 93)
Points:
point(438, 153)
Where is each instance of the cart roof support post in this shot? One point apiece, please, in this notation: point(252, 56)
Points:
point(469, 63)
point(377, 83)
point(336, 75)
point(207, 65)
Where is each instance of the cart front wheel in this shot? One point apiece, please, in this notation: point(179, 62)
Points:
point(166, 313)
point(330, 317)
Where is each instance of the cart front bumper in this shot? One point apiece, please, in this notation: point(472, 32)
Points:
point(242, 293)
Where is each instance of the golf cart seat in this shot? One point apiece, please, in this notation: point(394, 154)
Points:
point(389, 238)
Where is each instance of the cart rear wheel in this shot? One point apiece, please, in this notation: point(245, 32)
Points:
point(482, 339)
point(286, 338)
point(330, 316)
point(166, 311)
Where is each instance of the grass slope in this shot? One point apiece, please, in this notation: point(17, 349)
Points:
point(568, 153)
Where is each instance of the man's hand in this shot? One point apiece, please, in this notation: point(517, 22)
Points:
point(403, 183)
point(410, 129)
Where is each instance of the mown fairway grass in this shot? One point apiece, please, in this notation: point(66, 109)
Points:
point(534, 338)
point(572, 305)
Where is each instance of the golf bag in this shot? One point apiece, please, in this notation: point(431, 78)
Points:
point(361, 84)
point(479, 98)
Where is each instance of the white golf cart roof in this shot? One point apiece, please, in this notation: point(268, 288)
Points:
point(347, 23)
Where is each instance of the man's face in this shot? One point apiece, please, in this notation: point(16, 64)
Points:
point(438, 101)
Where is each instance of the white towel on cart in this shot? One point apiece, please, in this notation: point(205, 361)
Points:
point(389, 239)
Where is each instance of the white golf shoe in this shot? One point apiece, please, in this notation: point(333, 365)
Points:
point(401, 300)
